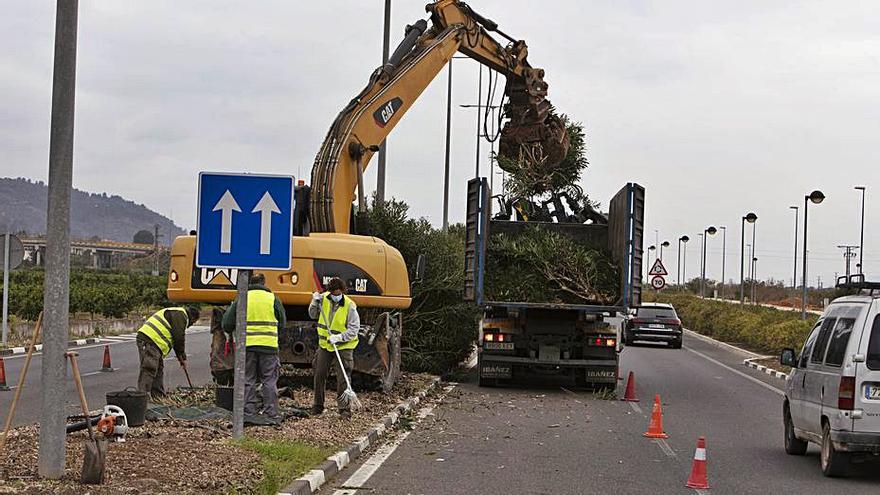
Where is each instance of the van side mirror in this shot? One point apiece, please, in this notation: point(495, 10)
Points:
point(788, 358)
point(420, 268)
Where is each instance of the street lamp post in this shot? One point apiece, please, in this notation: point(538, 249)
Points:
point(663, 245)
point(794, 276)
point(650, 248)
point(679, 268)
point(707, 232)
point(751, 218)
point(751, 263)
point(815, 197)
point(723, 258)
point(862, 234)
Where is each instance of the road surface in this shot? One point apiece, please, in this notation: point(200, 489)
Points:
point(550, 440)
point(124, 357)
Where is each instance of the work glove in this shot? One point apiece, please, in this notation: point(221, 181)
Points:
point(335, 338)
point(182, 363)
point(317, 296)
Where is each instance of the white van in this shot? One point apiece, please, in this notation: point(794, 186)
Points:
point(832, 395)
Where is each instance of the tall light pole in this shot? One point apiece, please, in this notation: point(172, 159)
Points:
point(650, 248)
point(678, 266)
point(751, 263)
point(448, 138)
point(794, 276)
point(663, 245)
point(754, 280)
point(684, 258)
point(708, 231)
point(723, 258)
point(814, 197)
point(862, 234)
point(380, 166)
point(751, 218)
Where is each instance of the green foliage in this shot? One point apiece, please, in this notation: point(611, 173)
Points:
point(283, 460)
point(111, 294)
point(528, 176)
point(542, 265)
point(439, 329)
point(762, 329)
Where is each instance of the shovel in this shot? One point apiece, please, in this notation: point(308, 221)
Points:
point(95, 450)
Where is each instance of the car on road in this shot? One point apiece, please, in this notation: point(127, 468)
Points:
point(832, 395)
point(654, 322)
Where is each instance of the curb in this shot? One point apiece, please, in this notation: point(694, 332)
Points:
point(764, 369)
point(39, 347)
point(314, 479)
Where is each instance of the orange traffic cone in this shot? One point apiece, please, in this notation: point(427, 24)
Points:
point(630, 394)
point(698, 477)
point(106, 366)
point(655, 428)
point(3, 385)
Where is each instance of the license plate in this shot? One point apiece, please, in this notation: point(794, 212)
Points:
point(872, 392)
point(496, 371)
point(656, 325)
point(498, 346)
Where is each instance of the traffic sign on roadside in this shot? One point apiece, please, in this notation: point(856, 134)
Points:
point(658, 268)
point(244, 221)
point(658, 282)
point(16, 250)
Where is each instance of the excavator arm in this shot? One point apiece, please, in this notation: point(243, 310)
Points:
point(370, 116)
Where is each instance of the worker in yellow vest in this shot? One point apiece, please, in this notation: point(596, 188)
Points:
point(265, 318)
point(338, 323)
point(161, 332)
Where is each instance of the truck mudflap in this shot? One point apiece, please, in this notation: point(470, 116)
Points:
point(377, 355)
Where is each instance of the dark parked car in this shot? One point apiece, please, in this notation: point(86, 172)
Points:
point(654, 322)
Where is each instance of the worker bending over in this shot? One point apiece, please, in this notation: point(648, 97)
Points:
point(265, 318)
point(161, 332)
point(338, 323)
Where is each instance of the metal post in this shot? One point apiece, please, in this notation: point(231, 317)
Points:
point(678, 264)
point(479, 95)
point(794, 274)
point(751, 263)
point(862, 234)
point(380, 168)
point(723, 259)
point(56, 290)
point(6, 287)
point(448, 138)
point(703, 265)
point(240, 348)
point(684, 262)
point(742, 261)
point(804, 269)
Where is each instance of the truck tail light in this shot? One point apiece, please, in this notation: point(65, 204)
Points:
point(495, 337)
point(602, 341)
point(846, 393)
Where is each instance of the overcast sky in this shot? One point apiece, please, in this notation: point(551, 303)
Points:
point(717, 108)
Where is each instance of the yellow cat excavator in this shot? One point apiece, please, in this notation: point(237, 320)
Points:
point(326, 240)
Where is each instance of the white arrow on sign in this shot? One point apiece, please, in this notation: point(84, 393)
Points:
point(266, 207)
point(226, 206)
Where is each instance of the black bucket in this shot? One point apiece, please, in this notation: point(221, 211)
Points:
point(133, 402)
point(223, 397)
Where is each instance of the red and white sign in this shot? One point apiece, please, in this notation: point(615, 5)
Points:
point(658, 282)
point(658, 269)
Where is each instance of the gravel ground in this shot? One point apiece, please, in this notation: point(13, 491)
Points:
point(179, 457)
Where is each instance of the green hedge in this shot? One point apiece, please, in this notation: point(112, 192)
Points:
point(758, 328)
point(111, 294)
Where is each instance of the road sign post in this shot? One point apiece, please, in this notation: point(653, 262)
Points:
point(245, 222)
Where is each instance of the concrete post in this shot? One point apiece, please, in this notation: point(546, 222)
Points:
point(240, 339)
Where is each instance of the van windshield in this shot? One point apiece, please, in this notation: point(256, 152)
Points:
point(873, 357)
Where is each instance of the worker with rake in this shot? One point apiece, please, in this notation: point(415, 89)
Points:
point(338, 326)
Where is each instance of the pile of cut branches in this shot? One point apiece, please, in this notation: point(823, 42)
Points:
point(543, 266)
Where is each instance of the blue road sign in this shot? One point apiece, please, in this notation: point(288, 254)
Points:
point(244, 221)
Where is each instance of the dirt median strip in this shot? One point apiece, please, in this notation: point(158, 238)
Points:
point(316, 478)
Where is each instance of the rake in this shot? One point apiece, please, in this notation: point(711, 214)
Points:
point(348, 399)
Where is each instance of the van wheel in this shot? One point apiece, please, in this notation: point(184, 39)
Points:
point(793, 445)
point(833, 463)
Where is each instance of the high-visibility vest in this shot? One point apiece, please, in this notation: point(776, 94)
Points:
point(158, 329)
point(262, 325)
point(335, 326)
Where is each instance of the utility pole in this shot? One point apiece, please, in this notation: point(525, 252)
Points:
point(448, 138)
point(862, 234)
point(380, 169)
point(723, 259)
point(56, 290)
point(849, 254)
point(156, 249)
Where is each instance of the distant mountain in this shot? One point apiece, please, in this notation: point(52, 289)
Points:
point(23, 209)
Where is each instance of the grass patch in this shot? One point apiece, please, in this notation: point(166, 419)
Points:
point(283, 460)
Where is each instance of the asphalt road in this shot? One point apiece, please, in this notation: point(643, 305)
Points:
point(124, 358)
point(550, 440)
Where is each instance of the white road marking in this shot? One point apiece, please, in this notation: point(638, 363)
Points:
point(371, 465)
point(737, 372)
point(635, 407)
point(664, 446)
point(722, 344)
